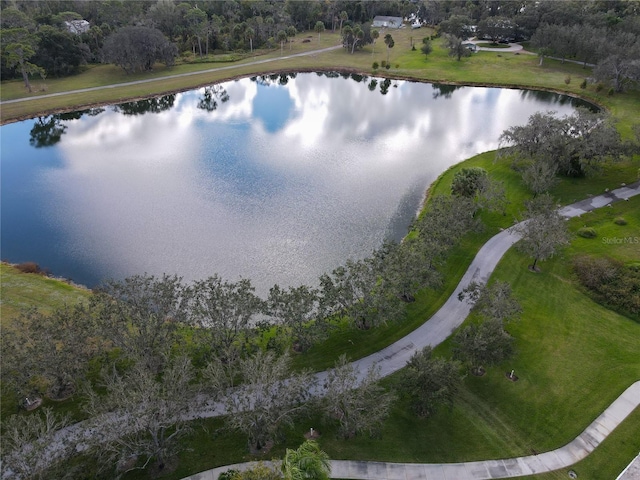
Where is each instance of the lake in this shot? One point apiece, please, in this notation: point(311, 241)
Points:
point(277, 179)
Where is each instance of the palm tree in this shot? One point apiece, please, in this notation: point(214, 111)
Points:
point(282, 37)
point(291, 32)
point(250, 33)
point(319, 27)
point(308, 462)
point(388, 41)
point(343, 18)
point(375, 34)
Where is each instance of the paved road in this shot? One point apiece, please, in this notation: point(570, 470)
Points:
point(435, 331)
point(178, 75)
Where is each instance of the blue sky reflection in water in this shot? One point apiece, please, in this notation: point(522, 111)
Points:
point(279, 183)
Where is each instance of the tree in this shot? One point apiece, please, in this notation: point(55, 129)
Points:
point(197, 25)
point(557, 40)
point(543, 230)
point(475, 183)
point(444, 223)
point(388, 41)
point(142, 415)
point(456, 47)
point(291, 33)
point(282, 37)
point(359, 406)
point(496, 28)
point(141, 316)
point(25, 439)
point(354, 290)
point(407, 268)
point(576, 144)
point(297, 310)
point(458, 26)
point(49, 353)
point(467, 181)
point(223, 312)
point(319, 28)
point(19, 43)
point(60, 53)
point(430, 382)
point(493, 301)
point(250, 33)
point(426, 47)
point(482, 345)
point(308, 461)
point(18, 55)
point(136, 49)
point(270, 397)
point(620, 61)
point(352, 37)
point(375, 34)
point(343, 18)
point(539, 176)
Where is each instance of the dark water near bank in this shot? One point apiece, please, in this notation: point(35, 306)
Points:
point(276, 179)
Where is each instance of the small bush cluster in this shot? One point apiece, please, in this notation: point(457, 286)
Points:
point(30, 267)
point(583, 85)
point(620, 221)
point(383, 64)
point(375, 65)
point(567, 79)
point(610, 283)
point(587, 232)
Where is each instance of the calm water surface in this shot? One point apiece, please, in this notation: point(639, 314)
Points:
point(275, 179)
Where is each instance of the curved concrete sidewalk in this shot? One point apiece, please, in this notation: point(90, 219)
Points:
point(433, 332)
point(395, 356)
point(557, 459)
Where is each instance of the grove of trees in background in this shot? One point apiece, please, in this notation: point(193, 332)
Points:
point(36, 40)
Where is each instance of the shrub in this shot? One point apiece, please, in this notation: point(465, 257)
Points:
point(583, 85)
point(610, 283)
point(610, 92)
point(467, 181)
point(567, 79)
point(620, 221)
point(397, 65)
point(587, 232)
point(387, 66)
point(375, 65)
point(29, 267)
point(383, 64)
point(599, 87)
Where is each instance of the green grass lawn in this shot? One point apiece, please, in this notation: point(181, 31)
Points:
point(25, 290)
point(574, 356)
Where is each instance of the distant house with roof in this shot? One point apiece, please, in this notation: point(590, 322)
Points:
point(77, 26)
point(382, 21)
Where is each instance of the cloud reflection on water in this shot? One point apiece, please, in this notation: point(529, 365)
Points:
point(194, 192)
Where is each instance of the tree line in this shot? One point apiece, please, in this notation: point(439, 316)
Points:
point(36, 39)
point(145, 355)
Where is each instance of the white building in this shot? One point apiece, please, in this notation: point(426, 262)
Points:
point(77, 26)
point(382, 21)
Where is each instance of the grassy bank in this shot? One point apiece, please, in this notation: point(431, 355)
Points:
point(574, 356)
point(26, 290)
point(483, 68)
